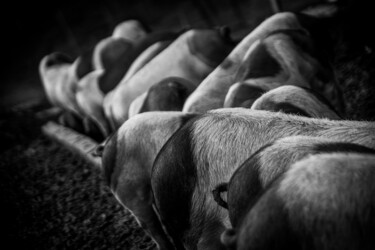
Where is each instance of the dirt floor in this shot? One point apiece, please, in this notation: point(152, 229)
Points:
point(52, 199)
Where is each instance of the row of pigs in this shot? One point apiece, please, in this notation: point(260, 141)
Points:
point(214, 166)
point(193, 70)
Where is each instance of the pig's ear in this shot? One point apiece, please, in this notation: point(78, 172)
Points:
point(221, 188)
